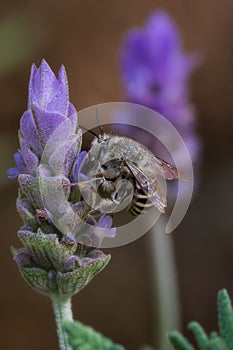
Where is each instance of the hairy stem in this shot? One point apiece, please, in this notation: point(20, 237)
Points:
point(165, 286)
point(63, 312)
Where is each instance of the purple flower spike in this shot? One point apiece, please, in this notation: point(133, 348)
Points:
point(154, 68)
point(54, 214)
point(156, 72)
point(46, 91)
point(48, 108)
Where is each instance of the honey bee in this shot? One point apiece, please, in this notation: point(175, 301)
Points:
point(112, 158)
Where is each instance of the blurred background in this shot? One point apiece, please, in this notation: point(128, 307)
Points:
point(86, 37)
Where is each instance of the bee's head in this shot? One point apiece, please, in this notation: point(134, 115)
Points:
point(103, 138)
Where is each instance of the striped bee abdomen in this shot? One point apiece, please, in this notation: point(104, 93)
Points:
point(139, 203)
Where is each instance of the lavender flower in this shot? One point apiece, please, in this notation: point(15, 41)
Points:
point(48, 107)
point(52, 261)
point(21, 166)
point(156, 72)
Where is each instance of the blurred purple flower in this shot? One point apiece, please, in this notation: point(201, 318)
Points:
point(156, 71)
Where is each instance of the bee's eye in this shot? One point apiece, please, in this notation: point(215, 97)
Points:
point(104, 167)
point(101, 139)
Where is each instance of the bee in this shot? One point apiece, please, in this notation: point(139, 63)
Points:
point(112, 158)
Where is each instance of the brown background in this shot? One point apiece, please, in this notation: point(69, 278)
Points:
point(86, 36)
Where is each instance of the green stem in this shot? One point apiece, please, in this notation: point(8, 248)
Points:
point(165, 285)
point(63, 312)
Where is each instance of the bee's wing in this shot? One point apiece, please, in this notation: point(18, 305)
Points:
point(169, 171)
point(149, 186)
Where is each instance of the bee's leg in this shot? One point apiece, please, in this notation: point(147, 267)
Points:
point(88, 190)
point(124, 190)
point(95, 181)
point(120, 193)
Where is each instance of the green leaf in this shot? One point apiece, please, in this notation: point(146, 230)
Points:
point(86, 338)
point(225, 315)
point(46, 250)
point(37, 278)
point(72, 282)
point(25, 212)
point(217, 343)
point(179, 341)
point(200, 335)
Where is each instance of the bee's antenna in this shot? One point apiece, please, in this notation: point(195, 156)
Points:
point(98, 121)
point(90, 131)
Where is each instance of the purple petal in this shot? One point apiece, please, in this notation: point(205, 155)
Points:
point(29, 132)
point(76, 169)
point(105, 221)
point(46, 122)
point(18, 157)
point(73, 262)
point(96, 254)
point(31, 97)
point(72, 115)
point(22, 257)
point(12, 173)
point(91, 221)
point(21, 166)
point(59, 101)
point(62, 159)
point(30, 159)
point(43, 85)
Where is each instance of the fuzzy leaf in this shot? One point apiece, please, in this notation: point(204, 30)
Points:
point(179, 341)
point(225, 313)
point(30, 187)
point(200, 335)
point(70, 283)
point(25, 212)
point(55, 200)
point(217, 343)
point(37, 279)
point(50, 265)
point(46, 250)
point(86, 338)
